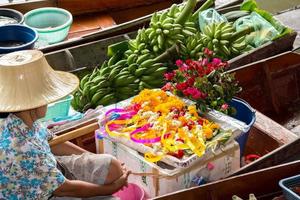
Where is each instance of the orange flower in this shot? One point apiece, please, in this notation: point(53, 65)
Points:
point(207, 132)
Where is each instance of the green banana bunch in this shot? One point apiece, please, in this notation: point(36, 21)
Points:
point(164, 31)
point(192, 48)
point(97, 88)
point(223, 39)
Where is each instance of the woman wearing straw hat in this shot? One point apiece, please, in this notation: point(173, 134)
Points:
point(28, 167)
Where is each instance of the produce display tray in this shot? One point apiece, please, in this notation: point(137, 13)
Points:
point(226, 122)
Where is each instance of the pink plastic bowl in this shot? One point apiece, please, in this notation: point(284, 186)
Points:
point(132, 192)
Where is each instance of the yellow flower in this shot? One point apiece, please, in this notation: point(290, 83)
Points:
point(192, 109)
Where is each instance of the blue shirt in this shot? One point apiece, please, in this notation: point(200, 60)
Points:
point(27, 166)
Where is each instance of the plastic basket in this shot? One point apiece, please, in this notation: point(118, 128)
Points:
point(131, 192)
point(18, 33)
point(51, 23)
point(245, 113)
point(287, 184)
point(59, 109)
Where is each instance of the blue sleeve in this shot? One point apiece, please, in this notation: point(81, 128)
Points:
point(55, 179)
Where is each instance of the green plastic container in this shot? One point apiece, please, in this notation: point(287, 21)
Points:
point(59, 109)
point(52, 24)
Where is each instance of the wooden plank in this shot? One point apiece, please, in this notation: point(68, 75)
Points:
point(27, 6)
point(285, 153)
point(86, 24)
point(265, 145)
point(74, 134)
point(273, 129)
point(259, 182)
point(82, 6)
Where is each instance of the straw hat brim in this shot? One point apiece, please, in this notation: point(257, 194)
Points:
point(33, 84)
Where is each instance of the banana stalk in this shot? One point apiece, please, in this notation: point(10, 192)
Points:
point(169, 54)
point(206, 5)
point(186, 13)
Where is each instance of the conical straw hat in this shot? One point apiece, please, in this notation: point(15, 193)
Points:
point(27, 81)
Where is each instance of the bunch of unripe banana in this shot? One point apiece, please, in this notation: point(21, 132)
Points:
point(224, 40)
point(192, 48)
point(165, 30)
point(108, 84)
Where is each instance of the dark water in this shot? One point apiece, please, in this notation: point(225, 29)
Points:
point(7, 20)
point(11, 43)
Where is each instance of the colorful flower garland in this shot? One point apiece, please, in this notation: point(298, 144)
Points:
point(164, 122)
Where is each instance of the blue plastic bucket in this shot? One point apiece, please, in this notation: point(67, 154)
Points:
point(246, 114)
point(10, 34)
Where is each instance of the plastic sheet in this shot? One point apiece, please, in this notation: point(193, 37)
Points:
point(264, 31)
point(210, 16)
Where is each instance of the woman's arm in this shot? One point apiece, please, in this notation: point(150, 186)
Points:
point(66, 149)
point(76, 188)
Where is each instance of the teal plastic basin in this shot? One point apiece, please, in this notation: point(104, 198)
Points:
point(52, 24)
point(59, 108)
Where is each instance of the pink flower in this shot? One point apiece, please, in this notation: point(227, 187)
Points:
point(181, 86)
point(224, 106)
point(179, 63)
point(169, 76)
point(216, 62)
point(183, 67)
point(168, 87)
point(194, 92)
point(204, 62)
point(197, 95)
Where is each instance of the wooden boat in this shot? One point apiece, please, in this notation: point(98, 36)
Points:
point(94, 20)
point(275, 139)
point(262, 183)
point(87, 56)
point(257, 80)
point(272, 87)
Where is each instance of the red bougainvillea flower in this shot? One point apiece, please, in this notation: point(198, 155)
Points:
point(194, 92)
point(181, 86)
point(190, 81)
point(224, 106)
point(179, 63)
point(209, 68)
point(183, 68)
point(195, 79)
point(169, 76)
point(197, 95)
